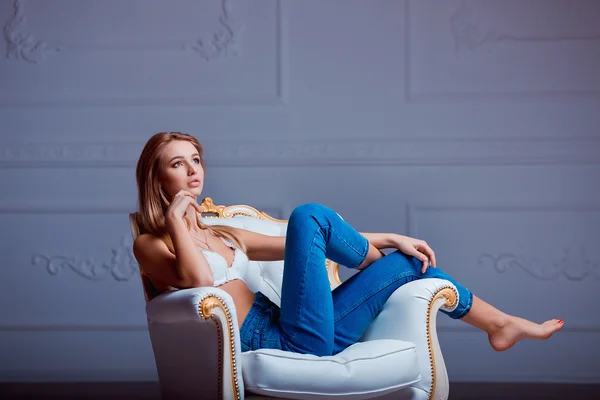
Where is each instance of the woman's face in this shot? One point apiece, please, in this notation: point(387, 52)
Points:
point(180, 168)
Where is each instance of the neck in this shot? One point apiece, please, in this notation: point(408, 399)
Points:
point(192, 218)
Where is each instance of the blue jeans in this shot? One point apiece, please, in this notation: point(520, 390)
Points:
point(314, 319)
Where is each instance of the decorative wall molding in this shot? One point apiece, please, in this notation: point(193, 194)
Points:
point(574, 265)
point(344, 151)
point(574, 208)
point(468, 32)
point(122, 265)
point(223, 43)
point(21, 45)
point(68, 210)
point(441, 327)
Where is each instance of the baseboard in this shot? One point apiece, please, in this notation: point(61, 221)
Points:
point(523, 390)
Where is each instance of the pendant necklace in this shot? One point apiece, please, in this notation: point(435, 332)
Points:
point(205, 241)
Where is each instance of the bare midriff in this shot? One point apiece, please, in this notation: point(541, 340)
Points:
point(242, 297)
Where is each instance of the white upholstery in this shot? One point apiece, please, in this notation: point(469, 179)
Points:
point(363, 370)
point(395, 354)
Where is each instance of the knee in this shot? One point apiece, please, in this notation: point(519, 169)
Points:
point(405, 263)
point(308, 210)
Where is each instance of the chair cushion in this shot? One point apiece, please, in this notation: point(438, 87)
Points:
point(363, 370)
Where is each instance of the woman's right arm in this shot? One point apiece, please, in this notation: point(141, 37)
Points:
point(191, 265)
point(186, 268)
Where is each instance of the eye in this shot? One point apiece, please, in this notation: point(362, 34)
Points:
point(177, 163)
point(197, 160)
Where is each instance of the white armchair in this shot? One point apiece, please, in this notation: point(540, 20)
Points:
point(196, 344)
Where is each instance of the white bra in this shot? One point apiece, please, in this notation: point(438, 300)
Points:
point(218, 264)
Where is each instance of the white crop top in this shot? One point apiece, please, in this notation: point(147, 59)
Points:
point(221, 271)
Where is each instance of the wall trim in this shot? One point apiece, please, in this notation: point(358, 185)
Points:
point(73, 328)
point(223, 43)
point(573, 264)
point(569, 328)
point(22, 45)
point(312, 152)
point(467, 32)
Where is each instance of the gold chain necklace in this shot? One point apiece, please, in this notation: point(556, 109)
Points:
point(204, 241)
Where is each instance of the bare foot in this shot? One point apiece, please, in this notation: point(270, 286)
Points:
point(514, 329)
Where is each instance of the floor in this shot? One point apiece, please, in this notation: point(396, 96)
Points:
point(150, 391)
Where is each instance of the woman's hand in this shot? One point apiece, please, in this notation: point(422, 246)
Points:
point(180, 204)
point(417, 248)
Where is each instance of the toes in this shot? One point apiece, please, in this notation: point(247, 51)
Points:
point(558, 322)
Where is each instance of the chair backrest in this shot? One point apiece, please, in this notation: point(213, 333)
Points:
point(264, 276)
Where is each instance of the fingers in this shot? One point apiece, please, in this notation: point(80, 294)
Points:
point(196, 206)
point(190, 198)
point(425, 265)
point(426, 254)
point(416, 253)
point(185, 193)
point(424, 248)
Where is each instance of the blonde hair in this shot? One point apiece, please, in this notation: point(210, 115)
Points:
point(152, 199)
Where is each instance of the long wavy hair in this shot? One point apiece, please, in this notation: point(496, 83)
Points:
point(153, 201)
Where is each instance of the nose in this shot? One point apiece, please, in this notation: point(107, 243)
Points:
point(191, 170)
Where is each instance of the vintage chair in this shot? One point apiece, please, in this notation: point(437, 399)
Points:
point(195, 337)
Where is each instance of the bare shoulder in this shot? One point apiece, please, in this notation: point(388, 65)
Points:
point(148, 247)
point(158, 263)
point(146, 241)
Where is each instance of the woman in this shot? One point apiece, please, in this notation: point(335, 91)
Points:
point(176, 250)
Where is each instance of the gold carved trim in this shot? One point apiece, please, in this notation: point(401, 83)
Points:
point(220, 211)
point(335, 268)
point(205, 308)
point(451, 297)
point(207, 206)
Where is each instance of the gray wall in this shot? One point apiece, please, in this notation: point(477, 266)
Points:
point(471, 124)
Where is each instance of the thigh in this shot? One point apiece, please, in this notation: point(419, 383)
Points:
point(314, 233)
point(306, 306)
point(359, 299)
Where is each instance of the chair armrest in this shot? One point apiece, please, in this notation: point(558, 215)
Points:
point(193, 331)
point(410, 314)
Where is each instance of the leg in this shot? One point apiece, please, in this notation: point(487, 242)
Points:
point(359, 299)
point(505, 330)
point(314, 233)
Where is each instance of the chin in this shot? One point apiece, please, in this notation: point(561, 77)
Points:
point(195, 191)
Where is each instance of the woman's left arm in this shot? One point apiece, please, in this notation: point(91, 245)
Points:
point(271, 248)
point(262, 247)
point(410, 246)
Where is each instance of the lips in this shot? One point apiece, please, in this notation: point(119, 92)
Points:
point(194, 183)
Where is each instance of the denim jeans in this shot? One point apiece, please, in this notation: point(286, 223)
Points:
point(314, 319)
